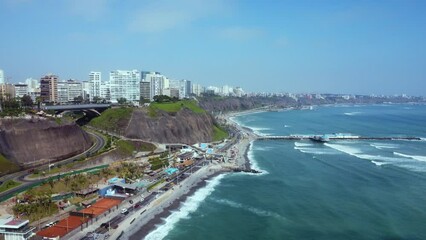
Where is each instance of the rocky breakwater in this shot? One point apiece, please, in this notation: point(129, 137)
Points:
point(31, 142)
point(183, 126)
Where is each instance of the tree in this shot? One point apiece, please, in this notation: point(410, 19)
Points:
point(96, 99)
point(122, 101)
point(78, 99)
point(26, 101)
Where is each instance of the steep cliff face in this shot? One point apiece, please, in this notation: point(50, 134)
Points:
point(212, 104)
point(36, 141)
point(183, 126)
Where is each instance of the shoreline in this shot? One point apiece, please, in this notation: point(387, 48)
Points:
point(164, 209)
point(158, 219)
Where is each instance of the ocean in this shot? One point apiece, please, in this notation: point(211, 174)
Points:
point(353, 189)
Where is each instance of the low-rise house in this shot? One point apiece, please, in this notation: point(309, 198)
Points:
point(15, 229)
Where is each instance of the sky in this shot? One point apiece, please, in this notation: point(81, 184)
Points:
point(300, 46)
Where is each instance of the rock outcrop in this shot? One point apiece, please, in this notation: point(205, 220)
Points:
point(31, 142)
point(183, 126)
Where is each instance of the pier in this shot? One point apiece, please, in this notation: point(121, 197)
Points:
point(330, 138)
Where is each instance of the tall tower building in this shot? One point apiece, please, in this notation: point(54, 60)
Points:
point(2, 80)
point(95, 80)
point(49, 88)
point(125, 84)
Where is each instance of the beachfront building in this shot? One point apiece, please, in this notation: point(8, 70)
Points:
point(15, 229)
point(125, 84)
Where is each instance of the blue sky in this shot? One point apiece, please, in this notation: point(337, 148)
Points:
point(340, 46)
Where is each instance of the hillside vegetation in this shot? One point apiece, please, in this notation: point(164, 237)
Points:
point(113, 119)
point(173, 107)
point(7, 166)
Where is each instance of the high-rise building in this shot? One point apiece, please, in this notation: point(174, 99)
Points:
point(33, 88)
point(185, 89)
point(86, 88)
point(21, 89)
point(49, 88)
point(75, 90)
point(62, 92)
point(145, 90)
point(7, 91)
point(2, 80)
point(156, 81)
point(125, 84)
point(197, 89)
point(105, 91)
point(95, 79)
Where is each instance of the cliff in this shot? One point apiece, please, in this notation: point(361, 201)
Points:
point(183, 126)
point(36, 141)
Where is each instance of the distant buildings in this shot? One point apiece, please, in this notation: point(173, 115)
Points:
point(132, 85)
point(49, 88)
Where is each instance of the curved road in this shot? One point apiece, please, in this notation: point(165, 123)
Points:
point(20, 176)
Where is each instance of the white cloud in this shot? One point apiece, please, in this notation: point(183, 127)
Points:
point(241, 33)
point(162, 15)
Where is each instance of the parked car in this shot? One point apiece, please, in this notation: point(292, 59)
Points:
point(124, 211)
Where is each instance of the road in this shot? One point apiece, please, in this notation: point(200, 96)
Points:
point(20, 176)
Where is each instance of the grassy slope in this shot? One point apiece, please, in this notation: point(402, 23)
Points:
point(128, 147)
point(176, 106)
point(7, 166)
point(8, 185)
point(219, 133)
point(112, 119)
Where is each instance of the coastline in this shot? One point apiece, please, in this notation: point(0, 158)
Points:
point(156, 213)
point(152, 224)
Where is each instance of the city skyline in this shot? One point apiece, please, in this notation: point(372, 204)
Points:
point(348, 47)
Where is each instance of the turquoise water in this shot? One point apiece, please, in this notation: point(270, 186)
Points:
point(338, 190)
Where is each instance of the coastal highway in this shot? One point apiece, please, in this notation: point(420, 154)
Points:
point(99, 143)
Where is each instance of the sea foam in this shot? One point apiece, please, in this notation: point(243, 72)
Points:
point(253, 163)
point(257, 211)
point(415, 157)
point(382, 146)
point(352, 113)
point(359, 154)
point(301, 144)
point(189, 206)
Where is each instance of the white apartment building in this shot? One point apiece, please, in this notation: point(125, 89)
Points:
point(185, 89)
point(157, 82)
point(125, 84)
point(21, 89)
point(105, 91)
point(33, 86)
point(75, 90)
point(197, 89)
point(62, 92)
point(2, 80)
point(86, 88)
point(95, 80)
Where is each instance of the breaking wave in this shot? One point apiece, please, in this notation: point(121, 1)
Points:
point(257, 211)
point(189, 206)
point(415, 157)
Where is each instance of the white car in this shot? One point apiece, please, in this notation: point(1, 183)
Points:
point(124, 211)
